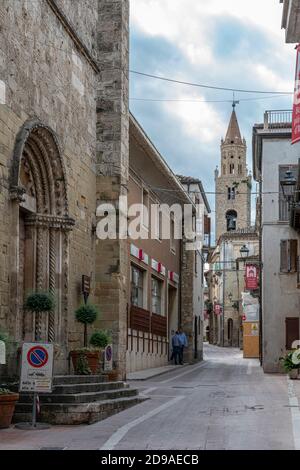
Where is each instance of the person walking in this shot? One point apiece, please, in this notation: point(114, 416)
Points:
point(176, 345)
point(183, 344)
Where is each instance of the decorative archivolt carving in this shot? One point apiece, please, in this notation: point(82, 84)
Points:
point(37, 150)
point(38, 173)
point(50, 221)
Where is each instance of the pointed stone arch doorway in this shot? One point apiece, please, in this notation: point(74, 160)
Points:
point(40, 228)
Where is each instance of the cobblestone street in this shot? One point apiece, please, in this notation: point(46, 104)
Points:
point(226, 402)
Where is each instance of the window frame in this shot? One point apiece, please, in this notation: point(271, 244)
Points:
point(142, 287)
point(160, 283)
point(289, 256)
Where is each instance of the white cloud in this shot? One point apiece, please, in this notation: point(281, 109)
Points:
point(199, 120)
point(271, 79)
point(185, 21)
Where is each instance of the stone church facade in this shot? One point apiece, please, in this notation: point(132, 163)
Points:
point(63, 148)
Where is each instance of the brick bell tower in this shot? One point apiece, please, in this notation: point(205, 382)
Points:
point(232, 182)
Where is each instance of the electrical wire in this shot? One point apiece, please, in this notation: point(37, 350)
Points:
point(212, 87)
point(215, 192)
point(162, 100)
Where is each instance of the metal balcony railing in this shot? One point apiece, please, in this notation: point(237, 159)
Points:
point(278, 119)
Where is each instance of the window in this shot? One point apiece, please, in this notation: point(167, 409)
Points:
point(284, 212)
point(231, 217)
point(145, 202)
point(137, 287)
point(156, 294)
point(196, 263)
point(288, 256)
point(240, 169)
point(231, 168)
point(224, 169)
point(231, 194)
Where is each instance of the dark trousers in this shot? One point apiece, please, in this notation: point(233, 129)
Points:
point(181, 349)
point(176, 354)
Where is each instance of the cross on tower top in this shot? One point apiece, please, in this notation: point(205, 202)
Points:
point(234, 101)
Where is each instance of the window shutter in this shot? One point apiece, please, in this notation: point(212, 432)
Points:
point(284, 256)
point(293, 255)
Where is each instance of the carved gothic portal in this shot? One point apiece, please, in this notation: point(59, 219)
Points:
point(42, 224)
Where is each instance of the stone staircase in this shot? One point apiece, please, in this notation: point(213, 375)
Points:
point(78, 399)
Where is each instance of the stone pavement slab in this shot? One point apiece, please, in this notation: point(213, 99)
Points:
point(149, 373)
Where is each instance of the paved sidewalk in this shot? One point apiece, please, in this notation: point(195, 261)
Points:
point(149, 373)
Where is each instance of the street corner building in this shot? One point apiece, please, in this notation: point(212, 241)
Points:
point(67, 145)
point(165, 279)
point(275, 161)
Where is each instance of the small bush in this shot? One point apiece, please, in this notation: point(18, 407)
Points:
point(100, 339)
point(86, 314)
point(40, 302)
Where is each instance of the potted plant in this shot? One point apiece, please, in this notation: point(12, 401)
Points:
point(38, 303)
point(291, 363)
point(86, 360)
point(8, 401)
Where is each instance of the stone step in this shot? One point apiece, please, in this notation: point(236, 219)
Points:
point(88, 387)
point(77, 413)
point(78, 379)
point(89, 397)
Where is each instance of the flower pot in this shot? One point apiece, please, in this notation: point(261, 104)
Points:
point(293, 374)
point(113, 375)
point(7, 408)
point(92, 359)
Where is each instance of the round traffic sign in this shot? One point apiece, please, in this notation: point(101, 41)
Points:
point(37, 356)
point(108, 353)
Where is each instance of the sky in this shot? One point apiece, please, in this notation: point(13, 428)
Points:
point(228, 43)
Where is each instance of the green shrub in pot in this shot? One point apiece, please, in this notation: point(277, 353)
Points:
point(100, 339)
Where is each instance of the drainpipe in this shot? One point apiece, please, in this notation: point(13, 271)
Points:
point(223, 313)
point(260, 276)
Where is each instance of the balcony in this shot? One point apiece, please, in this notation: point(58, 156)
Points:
point(278, 119)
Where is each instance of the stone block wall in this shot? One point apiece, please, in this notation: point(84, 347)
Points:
point(47, 77)
point(112, 167)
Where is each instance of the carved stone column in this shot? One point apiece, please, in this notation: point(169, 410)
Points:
point(52, 282)
point(40, 278)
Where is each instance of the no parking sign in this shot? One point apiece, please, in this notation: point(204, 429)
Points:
point(37, 367)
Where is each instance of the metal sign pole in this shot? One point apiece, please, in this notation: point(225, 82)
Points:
point(34, 411)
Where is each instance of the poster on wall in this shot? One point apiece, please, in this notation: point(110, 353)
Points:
point(251, 277)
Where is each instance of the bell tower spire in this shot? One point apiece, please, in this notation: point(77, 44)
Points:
point(233, 184)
